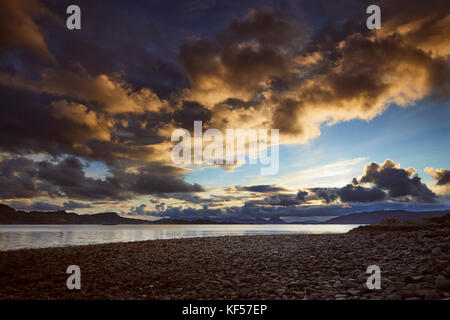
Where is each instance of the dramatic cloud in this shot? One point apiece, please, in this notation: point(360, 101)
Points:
point(281, 76)
point(18, 28)
point(109, 94)
point(242, 59)
point(301, 195)
point(113, 92)
point(351, 193)
point(296, 89)
point(25, 178)
point(397, 181)
point(388, 182)
point(283, 200)
point(442, 176)
point(327, 194)
point(17, 179)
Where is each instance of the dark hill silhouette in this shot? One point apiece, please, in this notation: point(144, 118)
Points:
point(10, 216)
point(378, 216)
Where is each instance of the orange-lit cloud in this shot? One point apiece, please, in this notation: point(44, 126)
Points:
point(18, 28)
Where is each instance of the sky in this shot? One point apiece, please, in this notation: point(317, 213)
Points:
point(87, 116)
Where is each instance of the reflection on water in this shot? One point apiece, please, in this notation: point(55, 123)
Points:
point(41, 236)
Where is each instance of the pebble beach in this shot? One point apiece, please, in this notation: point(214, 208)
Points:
point(414, 265)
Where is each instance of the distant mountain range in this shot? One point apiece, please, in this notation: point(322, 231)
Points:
point(9, 215)
point(374, 217)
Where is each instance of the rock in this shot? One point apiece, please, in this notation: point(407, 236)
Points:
point(394, 296)
point(240, 268)
point(280, 291)
point(405, 293)
point(397, 285)
point(417, 278)
point(441, 282)
point(432, 296)
point(314, 296)
point(390, 289)
point(412, 287)
point(244, 292)
point(353, 292)
point(436, 251)
point(422, 292)
point(349, 284)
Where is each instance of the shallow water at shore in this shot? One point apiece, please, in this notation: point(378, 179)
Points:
point(14, 237)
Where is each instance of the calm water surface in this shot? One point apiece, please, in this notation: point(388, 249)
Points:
point(14, 237)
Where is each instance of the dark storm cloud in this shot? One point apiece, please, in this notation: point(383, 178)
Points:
point(396, 181)
point(17, 179)
point(65, 108)
point(301, 195)
point(266, 26)
point(189, 112)
point(327, 194)
point(18, 28)
point(386, 182)
point(155, 179)
point(140, 43)
point(283, 200)
point(30, 122)
point(261, 188)
point(351, 193)
point(243, 55)
point(24, 178)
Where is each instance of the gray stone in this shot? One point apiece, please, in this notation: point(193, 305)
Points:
point(349, 284)
point(441, 282)
point(244, 292)
point(432, 296)
point(436, 251)
point(354, 292)
point(405, 293)
point(394, 296)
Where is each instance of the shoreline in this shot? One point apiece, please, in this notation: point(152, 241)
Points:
point(15, 237)
point(152, 240)
point(414, 265)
